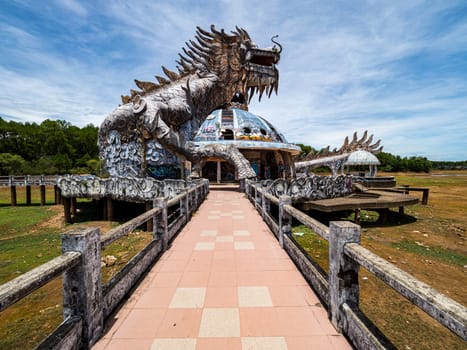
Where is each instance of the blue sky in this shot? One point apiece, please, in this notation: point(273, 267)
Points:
point(395, 68)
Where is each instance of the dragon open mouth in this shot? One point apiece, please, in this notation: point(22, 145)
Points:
point(262, 74)
point(264, 58)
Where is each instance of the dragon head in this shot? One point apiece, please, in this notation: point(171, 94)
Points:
point(241, 66)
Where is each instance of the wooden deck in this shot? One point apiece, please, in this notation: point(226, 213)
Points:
point(378, 200)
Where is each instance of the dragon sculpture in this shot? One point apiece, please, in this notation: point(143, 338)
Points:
point(336, 157)
point(154, 125)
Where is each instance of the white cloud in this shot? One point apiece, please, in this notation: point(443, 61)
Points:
point(73, 6)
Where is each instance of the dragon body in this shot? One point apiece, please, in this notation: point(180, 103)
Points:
point(335, 159)
point(155, 124)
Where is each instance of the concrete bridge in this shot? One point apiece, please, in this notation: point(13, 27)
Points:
point(220, 275)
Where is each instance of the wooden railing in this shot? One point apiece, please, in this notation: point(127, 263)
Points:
point(339, 290)
point(28, 181)
point(86, 302)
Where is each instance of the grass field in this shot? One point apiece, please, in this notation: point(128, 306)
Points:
point(428, 242)
point(29, 237)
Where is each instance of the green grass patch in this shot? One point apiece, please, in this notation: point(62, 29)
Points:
point(22, 253)
point(316, 247)
point(16, 221)
point(437, 253)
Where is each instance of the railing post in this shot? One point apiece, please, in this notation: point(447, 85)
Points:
point(185, 205)
point(343, 271)
point(82, 284)
point(243, 185)
point(161, 222)
point(266, 205)
point(149, 223)
point(13, 191)
point(67, 209)
point(27, 182)
point(43, 195)
point(285, 219)
point(197, 197)
point(256, 197)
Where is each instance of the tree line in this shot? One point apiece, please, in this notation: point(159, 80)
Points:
point(51, 147)
point(57, 147)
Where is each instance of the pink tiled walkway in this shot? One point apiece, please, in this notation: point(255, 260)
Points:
point(224, 284)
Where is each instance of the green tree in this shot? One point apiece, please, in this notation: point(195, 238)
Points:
point(11, 164)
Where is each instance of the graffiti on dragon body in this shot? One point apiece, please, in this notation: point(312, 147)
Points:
point(121, 188)
point(311, 187)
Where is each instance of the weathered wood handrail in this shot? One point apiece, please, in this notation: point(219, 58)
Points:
point(86, 302)
point(124, 229)
point(339, 290)
point(445, 310)
point(319, 228)
point(23, 285)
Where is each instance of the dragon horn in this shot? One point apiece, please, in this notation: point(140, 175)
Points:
point(204, 42)
point(275, 42)
point(216, 32)
point(200, 48)
point(205, 33)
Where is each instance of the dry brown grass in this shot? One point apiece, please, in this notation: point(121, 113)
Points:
point(429, 243)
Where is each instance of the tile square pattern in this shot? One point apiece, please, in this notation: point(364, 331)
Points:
point(241, 233)
point(264, 343)
point(188, 298)
point(254, 297)
point(204, 246)
point(208, 233)
point(220, 323)
point(174, 344)
point(244, 245)
point(224, 239)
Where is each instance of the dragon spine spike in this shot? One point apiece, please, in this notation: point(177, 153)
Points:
point(369, 141)
point(375, 145)
point(171, 75)
point(133, 93)
point(162, 80)
point(146, 86)
point(363, 137)
point(354, 139)
point(126, 99)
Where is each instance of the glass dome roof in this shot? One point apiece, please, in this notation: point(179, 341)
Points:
point(237, 124)
point(245, 129)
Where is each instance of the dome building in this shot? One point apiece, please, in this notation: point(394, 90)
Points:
point(362, 157)
point(258, 140)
